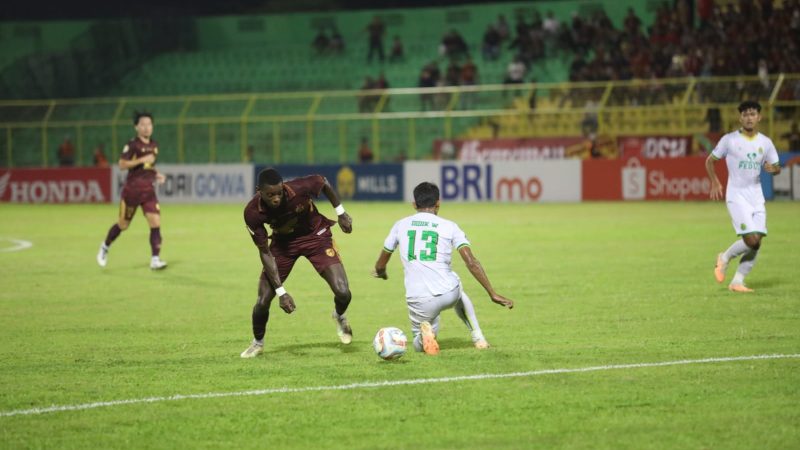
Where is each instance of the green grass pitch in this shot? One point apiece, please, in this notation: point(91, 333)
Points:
point(595, 284)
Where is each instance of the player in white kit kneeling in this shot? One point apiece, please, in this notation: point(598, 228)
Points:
point(426, 242)
point(745, 151)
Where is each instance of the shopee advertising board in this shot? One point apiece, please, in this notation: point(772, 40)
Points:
point(199, 183)
point(56, 185)
point(525, 181)
point(649, 179)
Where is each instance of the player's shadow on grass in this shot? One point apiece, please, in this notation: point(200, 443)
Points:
point(454, 343)
point(305, 349)
point(765, 283)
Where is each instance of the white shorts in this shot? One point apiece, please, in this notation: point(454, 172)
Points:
point(428, 309)
point(748, 218)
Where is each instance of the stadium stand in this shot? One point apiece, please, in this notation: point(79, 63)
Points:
point(199, 83)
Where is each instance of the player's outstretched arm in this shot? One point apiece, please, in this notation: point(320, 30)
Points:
point(716, 186)
point(344, 219)
point(476, 269)
point(380, 265)
point(271, 270)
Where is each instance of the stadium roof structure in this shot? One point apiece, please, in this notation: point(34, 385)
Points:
point(94, 9)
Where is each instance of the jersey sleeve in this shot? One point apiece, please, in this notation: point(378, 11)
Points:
point(390, 243)
point(128, 152)
point(721, 150)
point(459, 237)
point(771, 156)
point(312, 184)
point(256, 229)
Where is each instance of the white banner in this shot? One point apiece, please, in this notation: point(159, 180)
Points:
point(198, 183)
point(524, 181)
point(795, 168)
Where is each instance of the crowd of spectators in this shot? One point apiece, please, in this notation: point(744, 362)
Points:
point(687, 38)
point(368, 100)
point(753, 40)
point(750, 37)
point(325, 44)
point(458, 73)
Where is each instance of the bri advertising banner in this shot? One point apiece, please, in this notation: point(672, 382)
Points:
point(351, 182)
point(62, 185)
point(524, 181)
point(199, 183)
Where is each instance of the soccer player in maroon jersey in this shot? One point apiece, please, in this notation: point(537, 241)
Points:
point(139, 159)
point(298, 229)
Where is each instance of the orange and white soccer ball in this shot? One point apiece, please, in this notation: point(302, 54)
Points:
point(390, 343)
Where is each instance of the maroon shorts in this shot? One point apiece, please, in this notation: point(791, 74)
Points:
point(317, 249)
point(132, 198)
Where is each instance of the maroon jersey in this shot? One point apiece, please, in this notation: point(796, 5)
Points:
point(297, 216)
point(144, 175)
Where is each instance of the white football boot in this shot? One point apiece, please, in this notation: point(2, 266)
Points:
point(102, 255)
point(343, 328)
point(157, 264)
point(254, 350)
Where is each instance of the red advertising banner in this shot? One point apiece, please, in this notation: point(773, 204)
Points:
point(648, 179)
point(68, 185)
point(496, 150)
point(652, 147)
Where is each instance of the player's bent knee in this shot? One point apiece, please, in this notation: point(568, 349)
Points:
point(341, 289)
point(343, 297)
point(753, 241)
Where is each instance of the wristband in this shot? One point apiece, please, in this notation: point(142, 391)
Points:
point(339, 210)
point(280, 292)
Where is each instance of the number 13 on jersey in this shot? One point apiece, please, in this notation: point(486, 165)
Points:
point(425, 249)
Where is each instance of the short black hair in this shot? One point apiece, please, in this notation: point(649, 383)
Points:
point(269, 177)
point(749, 104)
point(137, 115)
point(426, 195)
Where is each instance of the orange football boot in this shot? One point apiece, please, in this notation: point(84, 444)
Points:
point(719, 269)
point(429, 344)
point(739, 288)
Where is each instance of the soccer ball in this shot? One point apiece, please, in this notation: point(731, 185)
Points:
point(390, 343)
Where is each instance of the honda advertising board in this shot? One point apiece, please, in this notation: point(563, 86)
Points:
point(648, 179)
point(199, 183)
point(539, 181)
point(62, 185)
point(352, 182)
point(496, 150)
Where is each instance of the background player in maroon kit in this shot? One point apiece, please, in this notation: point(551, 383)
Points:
point(139, 159)
point(298, 229)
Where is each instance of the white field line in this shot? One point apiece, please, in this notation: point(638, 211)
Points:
point(374, 384)
point(19, 244)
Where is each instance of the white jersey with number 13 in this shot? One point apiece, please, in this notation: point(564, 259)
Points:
point(425, 242)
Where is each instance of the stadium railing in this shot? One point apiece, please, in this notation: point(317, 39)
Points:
point(327, 126)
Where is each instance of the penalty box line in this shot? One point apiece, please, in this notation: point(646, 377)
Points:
point(374, 384)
